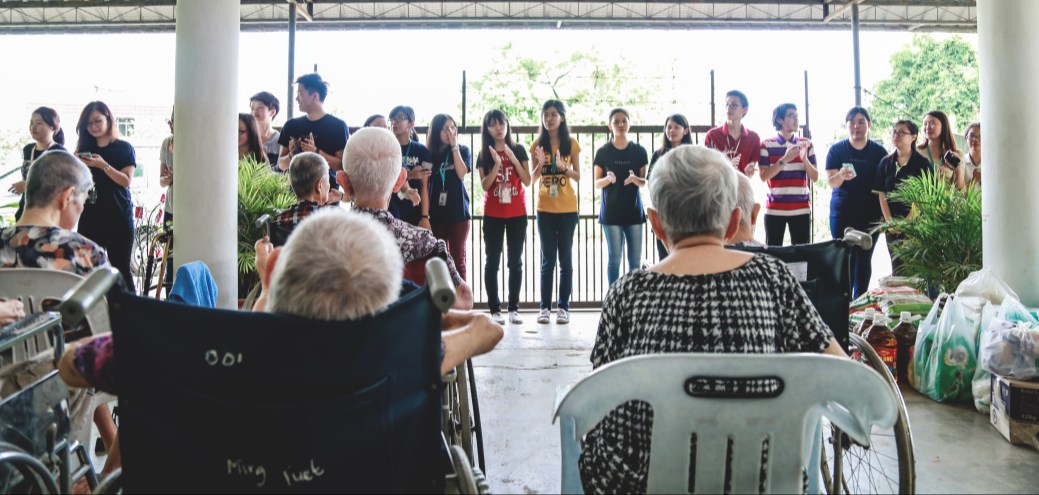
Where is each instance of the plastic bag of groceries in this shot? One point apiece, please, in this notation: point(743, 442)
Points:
point(981, 295)
point(1011, 344)
point(946, 354)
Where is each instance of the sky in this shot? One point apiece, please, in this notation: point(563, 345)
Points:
point(372, 71)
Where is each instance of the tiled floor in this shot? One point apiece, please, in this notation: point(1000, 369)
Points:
point(957, 451)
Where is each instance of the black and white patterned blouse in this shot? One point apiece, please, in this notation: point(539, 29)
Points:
point(415, 242)
point(756, 308)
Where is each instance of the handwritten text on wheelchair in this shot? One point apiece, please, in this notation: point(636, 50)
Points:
point(292, 475)
point(214, 358)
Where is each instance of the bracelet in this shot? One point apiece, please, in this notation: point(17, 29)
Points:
point(425, 216)
point(454, 148)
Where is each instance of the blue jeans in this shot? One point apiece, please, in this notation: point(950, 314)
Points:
point(861, 261)
point(616, 237)
point(557, 238)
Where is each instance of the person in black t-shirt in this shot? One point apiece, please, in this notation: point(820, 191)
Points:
point(108, 217)
point(620, 170)
point(851, 169)
point(47, 135)
point(905, 162)
point(449, 208)
point(418, 162)
point(317, 131)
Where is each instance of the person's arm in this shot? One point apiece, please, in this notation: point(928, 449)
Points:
point(487, 178)
point(769, 171)
point(89, 363)
point(335, 161)
point(884, 207)
point(165, 172)
point(460, 162)
point(834, 349)
point(636, 178)
point(467, 335)
point(285, 157)
point(574, 170)
point(424, 203)
point(121, 176)
point(808, 158)
point(537, 164)
point(67, 367)
point(11, 310)
point(520, 165)
point(602, 180)
point(835, 178)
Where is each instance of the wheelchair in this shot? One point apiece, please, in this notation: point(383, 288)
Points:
point(887, 465)
point(260, 402)
point(37, 454)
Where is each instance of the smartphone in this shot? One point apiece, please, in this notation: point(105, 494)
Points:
point(87, 154)
point(427, 165)
point(952, 159)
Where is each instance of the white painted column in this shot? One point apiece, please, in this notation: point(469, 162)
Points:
point(206, 153)
point(1009, 115)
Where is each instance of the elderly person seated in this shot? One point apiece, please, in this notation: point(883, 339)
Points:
point(371, 167)
point(57, 187)
point(749, 209)
point(701, 298)
point(308, 176)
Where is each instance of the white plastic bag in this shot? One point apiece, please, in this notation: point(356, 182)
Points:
point(1011, 346)
point(946, 354)
point(980, 290)
point(985, 284)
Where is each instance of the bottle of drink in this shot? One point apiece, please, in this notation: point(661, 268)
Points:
point(905, 334)
point(884, 342)
point(867, 321)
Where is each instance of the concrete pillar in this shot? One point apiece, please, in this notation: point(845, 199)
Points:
point(1009, 113)
point(206, 154)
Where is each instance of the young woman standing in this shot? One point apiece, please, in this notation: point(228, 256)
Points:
point(504, 175)
point(905, 162)
point(676, 133)
point(249, 144)
point(449, 211)
point(418, 161)
point(45, 129)
point(108, 217)
point(940, 148)
point(620, 170)
point(556, 163)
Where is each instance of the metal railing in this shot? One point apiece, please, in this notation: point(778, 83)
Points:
point(589, 251)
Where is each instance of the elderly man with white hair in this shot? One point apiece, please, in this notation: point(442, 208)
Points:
point(749, 209)
point(701, 298)
point(356, 272)
point(371, 167)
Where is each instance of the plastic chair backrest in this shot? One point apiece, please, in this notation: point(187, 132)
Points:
point(33, 286)
point(228, 401)
point(826, 270)
point(802, 388)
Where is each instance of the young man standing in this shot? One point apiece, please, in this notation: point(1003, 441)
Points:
point(851, 169)
point(317, 131)
point(741, 145)
point(788, 166)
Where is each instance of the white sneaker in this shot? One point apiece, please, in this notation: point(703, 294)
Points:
point(562, 316)
point(498, 318)
point(544, 315)
point(514, 318)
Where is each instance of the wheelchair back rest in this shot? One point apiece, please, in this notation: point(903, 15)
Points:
point(256, 402)
point(733, 423)
point(824, 272)
point(42, 290)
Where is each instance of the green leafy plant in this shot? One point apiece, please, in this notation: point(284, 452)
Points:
point(942, 242)
point(260, 192)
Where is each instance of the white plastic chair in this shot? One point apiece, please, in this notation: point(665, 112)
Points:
point(807, 388)
point(34, 285)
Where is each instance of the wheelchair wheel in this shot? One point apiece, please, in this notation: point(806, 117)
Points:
point(460, 426)
point(23, 473)
point(887, 465)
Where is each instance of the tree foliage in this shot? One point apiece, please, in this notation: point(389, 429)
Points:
point(587, 84)
point(929, 75)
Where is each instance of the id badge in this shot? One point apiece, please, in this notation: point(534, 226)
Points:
point(553, 190)
point(443, 199)
point(505, 195)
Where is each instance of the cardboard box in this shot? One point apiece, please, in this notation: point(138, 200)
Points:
point(1015, 410)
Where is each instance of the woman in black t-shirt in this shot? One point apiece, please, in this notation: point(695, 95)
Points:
point(676, 133)
point(620, 170)
point(45, 128)
point(449, 201)
point(108, 215)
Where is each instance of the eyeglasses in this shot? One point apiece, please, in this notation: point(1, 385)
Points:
point(398, 119)
point(900, 134)
point(97, 122)
point(733, 105)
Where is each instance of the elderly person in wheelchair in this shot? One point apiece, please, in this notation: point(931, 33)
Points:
point(701, 298)
point(371, 167)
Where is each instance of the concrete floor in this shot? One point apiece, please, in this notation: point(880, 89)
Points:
point(957, 451)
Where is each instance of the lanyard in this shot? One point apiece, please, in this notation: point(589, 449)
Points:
point(732, 152)
point(407, 154)
point(930, 157)
point(443, 171)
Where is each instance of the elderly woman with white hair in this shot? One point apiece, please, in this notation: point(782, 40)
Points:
point(701, 298)
point(371, 166)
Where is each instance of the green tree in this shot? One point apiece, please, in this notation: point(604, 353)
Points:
point(589, 86)
point(929, 75)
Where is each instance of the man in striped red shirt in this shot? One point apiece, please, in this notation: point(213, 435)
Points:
point(787, 165)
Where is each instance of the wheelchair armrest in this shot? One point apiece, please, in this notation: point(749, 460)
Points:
point(441, 288)
point(85, 295)
point(857, 238)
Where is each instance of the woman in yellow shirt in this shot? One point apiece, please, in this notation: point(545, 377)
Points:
point(555, 166)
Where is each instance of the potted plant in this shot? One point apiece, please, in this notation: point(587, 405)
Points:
point(260, 192)
point(942, 242)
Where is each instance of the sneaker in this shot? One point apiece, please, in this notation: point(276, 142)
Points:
point(514, 318)
point(544, 315)
point(562, 316)
point(498, 318)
